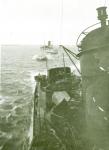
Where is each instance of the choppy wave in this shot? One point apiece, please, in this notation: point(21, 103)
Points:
point(16, 100)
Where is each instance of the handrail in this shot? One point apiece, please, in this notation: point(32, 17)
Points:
point(84, 31)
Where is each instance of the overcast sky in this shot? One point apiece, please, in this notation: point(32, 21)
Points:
point(37, 21)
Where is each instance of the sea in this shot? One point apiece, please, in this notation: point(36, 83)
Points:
point(19, 65)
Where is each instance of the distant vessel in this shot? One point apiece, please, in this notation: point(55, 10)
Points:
point(46, 51)
point(50, 48)
point(42, 58)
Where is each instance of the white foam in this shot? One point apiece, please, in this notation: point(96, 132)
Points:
point(30, 132)
point(34, 57)
point(2, 99)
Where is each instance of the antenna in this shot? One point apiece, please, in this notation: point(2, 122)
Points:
point(105, 2)
point(61, 22)
point(64, 66)
point(63, 60)
point(46, 61)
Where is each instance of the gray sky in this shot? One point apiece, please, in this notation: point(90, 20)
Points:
point(37, 21)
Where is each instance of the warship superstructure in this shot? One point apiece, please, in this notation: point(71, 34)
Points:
point(94, 61)
point(65, 119)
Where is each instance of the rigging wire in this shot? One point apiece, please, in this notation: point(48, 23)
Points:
point(61, 22)
point(72, 53)
point(105, 2)
point(73, 62)
point(68, 52)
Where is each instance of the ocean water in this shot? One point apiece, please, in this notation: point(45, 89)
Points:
point(18, 67)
